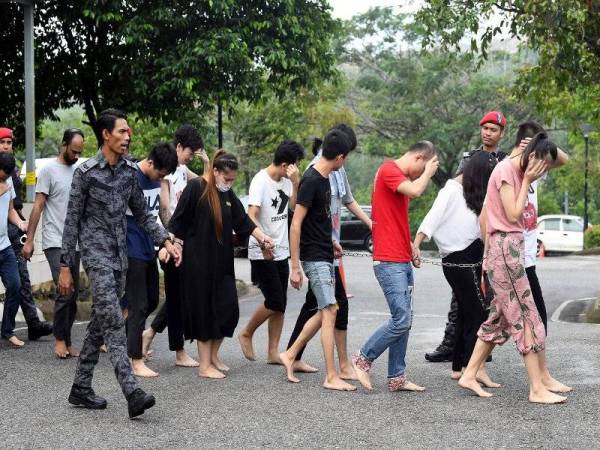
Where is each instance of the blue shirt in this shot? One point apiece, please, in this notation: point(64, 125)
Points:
point(139, 244)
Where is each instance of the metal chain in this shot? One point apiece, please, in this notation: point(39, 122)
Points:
point(370, 255)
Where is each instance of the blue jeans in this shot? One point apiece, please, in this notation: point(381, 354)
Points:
point(9, 273)
point(396, 281)
point(321, 275)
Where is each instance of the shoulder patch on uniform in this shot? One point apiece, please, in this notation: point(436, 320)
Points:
point(88, 164)
point(130, 163)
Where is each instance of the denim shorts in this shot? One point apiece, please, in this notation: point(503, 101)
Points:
point(321, 275)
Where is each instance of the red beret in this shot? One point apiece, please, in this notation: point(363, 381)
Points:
point(493, 117)
point(6, 133)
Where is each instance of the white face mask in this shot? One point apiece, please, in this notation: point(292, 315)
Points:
point(223, 187)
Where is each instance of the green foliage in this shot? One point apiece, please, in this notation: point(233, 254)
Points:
point(592, 237)
point(564, 78)
point(401, 95)
point(166, 60)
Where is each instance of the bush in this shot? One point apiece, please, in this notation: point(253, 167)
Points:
point(592, 237)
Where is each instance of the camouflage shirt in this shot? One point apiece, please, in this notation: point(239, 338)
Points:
point(100, 195)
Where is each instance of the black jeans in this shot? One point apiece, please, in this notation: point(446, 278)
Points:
point(538, 298)
point(65, 307)
point(471, 312)
point(171, 312)
point(309, 309)
point(142, 291)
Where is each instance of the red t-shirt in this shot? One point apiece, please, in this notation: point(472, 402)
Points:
point(391, 230)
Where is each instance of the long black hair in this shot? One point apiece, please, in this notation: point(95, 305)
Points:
point(541, 146)
point(476, 174)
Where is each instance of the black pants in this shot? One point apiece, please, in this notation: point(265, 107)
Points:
point(65, 307)
point(171, 312)
point(142, 291)
point(310, 308)
point(471, 313)
point(538, 298)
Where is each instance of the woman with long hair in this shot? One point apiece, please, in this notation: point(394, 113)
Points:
point(453, 223)
point(512, 310)
point(207, 213)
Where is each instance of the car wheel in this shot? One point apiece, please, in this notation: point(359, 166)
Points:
point(369, 243)
point(541, 250)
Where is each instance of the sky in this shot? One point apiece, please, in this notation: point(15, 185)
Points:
point(345, 9)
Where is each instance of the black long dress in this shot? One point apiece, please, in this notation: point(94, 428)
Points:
point(209, 295)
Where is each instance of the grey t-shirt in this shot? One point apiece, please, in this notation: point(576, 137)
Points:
point(4, 207)
point(54, 180)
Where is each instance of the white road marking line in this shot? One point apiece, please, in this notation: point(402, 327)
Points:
point(556, 316)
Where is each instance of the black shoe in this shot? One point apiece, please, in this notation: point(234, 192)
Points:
point(38, 329)
point(138, 402)
point(440, 354)
point(86, 398)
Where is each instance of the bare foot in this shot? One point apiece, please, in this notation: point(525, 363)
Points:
point(73, 352)
point(337, 384)
point(147, 337)
point(289, 367)
point(247, 349)
point(456, 375)
point(556, 386)
point(473, 385)
point(546, 397)
point(483, 378)
point(348, 373)
point(103, 348)
point(182, 359)
point(219, 365)
point(302, 367)
point(140, 369)
point(274, 359)
point(412, 387)
point(60, 349)
point(211, 372)
point(363, 377)
point(16, 342)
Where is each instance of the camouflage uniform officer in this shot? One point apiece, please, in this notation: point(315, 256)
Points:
point(103, 188)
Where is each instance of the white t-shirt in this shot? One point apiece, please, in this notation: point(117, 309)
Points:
point(530, 215)
point(54, 180)
point(4, 205)
point(450, 222)
point(177, 183)
point(272, 197)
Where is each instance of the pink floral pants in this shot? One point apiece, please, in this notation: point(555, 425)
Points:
point(512, 308)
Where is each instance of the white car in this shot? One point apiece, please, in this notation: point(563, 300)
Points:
point(560, 233)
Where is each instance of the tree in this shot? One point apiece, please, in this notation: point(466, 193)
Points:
point(166, 60)
point(401, 95)
point(565, 35)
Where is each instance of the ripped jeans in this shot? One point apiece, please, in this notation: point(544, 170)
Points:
point(396, 281)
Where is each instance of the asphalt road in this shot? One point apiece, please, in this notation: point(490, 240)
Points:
point(256, 407)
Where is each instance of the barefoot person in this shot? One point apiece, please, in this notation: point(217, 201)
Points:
point(9, 272)
point(103, 188)
point(142, 282)
point(526, 131)
point(207, 213)
point(272, 192)
point(341, 194)
point(491, 131)
point(512, 310)
point(453, 223)
point(396, 182)
point(35, 328)
point(51, 198)
point(311, 243)
point(188, 144)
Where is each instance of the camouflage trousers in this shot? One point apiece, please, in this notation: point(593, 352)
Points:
point(106, 325)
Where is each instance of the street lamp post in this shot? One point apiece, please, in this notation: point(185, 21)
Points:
point(586, 128)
